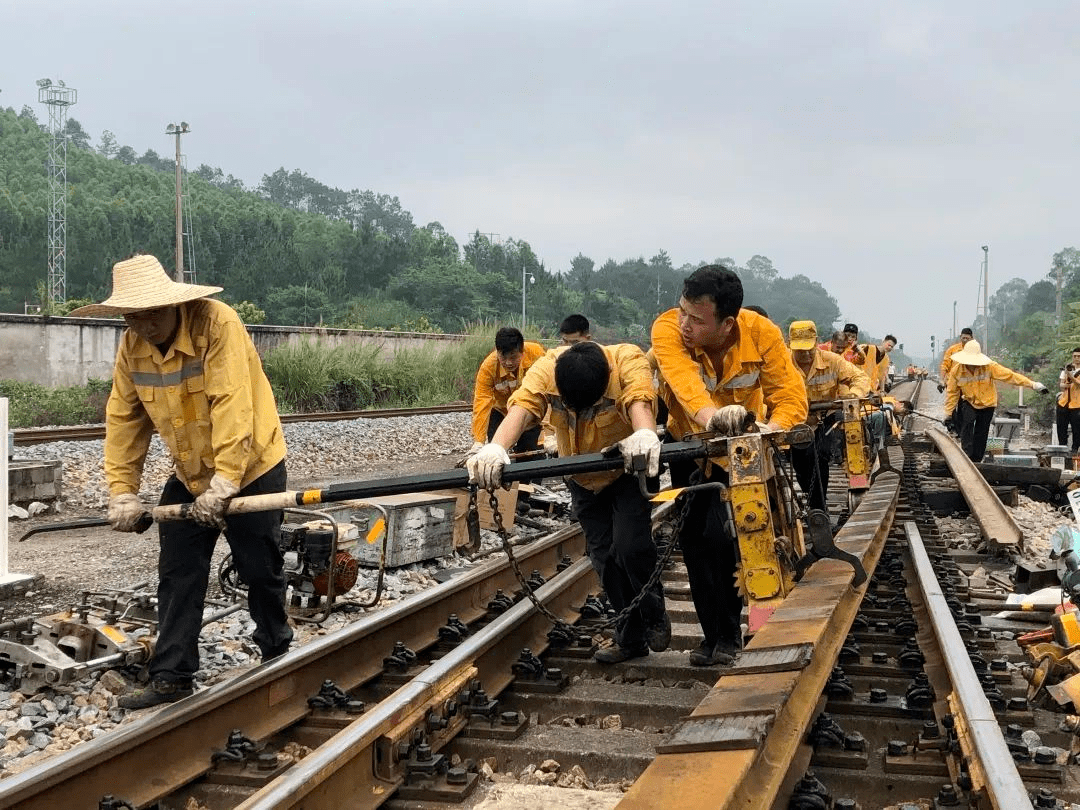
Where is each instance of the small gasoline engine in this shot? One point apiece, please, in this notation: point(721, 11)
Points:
point(307, 549)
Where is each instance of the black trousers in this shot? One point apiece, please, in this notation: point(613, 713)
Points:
point(528, 441)
point(1068, 418)
point(975, 429)
point(710, 551)
point(811, 464)
point(184, 571)
point(617, 522)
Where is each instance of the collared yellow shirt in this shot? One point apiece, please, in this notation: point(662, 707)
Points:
point(947, 361)
point(976, 384)
point(207, 397)
point(494, 385)
point(758, 373)
point(604, 424)
point(831, 377)
point(1070, 397)
point(876, 366)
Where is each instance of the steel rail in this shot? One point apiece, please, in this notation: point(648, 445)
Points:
point(146, 760)
point(29, 436)
point(344, 767)
point(997, 524)
point(737, 747)
point(990, 762)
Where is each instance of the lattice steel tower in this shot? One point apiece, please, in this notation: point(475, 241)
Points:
point(57, 97)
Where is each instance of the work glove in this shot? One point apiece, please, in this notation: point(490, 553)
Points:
point(731, 420)
point(950, 423)
point(941, 388)
point(1038, 386)
point(125, 512)
point(551, 446)
point(475, 448)
point(486, 466)
point(643, 442)
point(209, 508)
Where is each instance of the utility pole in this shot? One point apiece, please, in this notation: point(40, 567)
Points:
point(173, 129)
point(532, 280)
point(1057, 305)
point(954, 320)
point(986, 297)
point(57, 97)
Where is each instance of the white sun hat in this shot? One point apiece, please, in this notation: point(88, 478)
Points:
point(971, 355)
point(142, 283)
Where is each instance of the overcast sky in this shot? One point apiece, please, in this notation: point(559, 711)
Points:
point(874, 147)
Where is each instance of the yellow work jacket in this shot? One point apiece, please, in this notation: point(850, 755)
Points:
point(876, 366)
point(757, 373)
point(976, 384)
point(207, 397)
point(494, 385)
point(946, 360)
point(831, 377)
point(602, 425)
point(1070, 397)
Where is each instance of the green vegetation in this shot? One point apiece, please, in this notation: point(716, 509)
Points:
point(305, 254)
point(32, 405)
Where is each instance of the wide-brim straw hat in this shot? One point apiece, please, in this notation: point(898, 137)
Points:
point(142, 283)
point(971, 355)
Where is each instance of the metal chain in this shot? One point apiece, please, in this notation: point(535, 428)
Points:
point(658, 570)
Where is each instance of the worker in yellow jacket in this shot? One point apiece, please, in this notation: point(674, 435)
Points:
point(720, 367)
point(598, 396)
point(876, 365)
point(187, 369)
point(827, 377)
point(1068, 403)
point(946, 359)
point(971, 391)
point(499, 376)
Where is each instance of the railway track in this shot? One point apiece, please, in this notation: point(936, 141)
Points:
point(79, 433)
point(903, 692)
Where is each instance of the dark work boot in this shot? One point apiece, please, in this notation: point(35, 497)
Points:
point(658, 634)
point(156, 693)
point(616, 654)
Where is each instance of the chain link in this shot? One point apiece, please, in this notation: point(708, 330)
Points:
point(658, 570)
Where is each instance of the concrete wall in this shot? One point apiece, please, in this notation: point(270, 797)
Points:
point(68, 351)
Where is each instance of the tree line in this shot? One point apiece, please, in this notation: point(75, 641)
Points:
point(296, 251)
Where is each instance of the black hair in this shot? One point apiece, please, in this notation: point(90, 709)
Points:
point(508, 339)
point(757, 309)
point(718, 283)
point(967, 331)
point(581, 375)
point(892, 338)
point(1077, 349)
point(852, 328)
point(574, 324)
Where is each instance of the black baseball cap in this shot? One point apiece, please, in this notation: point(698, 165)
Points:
point(850, 327)
point(966, 331)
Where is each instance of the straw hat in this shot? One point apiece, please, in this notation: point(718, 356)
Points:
point(802, 335)
point(142, 283)
point(971, 355)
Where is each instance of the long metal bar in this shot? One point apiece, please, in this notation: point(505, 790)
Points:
point(174, 745)
point(319, 781)
point(998, 526)
point(989, 761)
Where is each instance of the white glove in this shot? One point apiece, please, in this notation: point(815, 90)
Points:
point(486, 466)
point(125, 512)
point(209, 508)
point(729, 421)
point(643, 442)
point(475, 448)
point(1038, 386)
point(551, 446)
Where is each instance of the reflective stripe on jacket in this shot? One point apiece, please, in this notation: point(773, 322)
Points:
point(976, 384)
point(208, 398)
point(1070, 397)
point(832, 377)
point(494, 385)
point(604, 424)
point(947, 361)
point(757, 373)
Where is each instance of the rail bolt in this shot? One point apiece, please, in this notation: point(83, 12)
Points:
point(1045, 755)
point(948, 796)
point(845, 804)
point(423, 752)
point(878, 695)
point(1044, 797)
point(880, 657)
point(457, 776)
point(930, 730)
point(1017, 704)
point(897, 748)
point(854, 742)
point(266, 762)
point(509, 718)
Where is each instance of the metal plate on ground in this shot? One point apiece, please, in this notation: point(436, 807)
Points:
point(788, 658)
point(727, 733)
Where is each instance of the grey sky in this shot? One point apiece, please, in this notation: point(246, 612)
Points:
point(873, 147)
